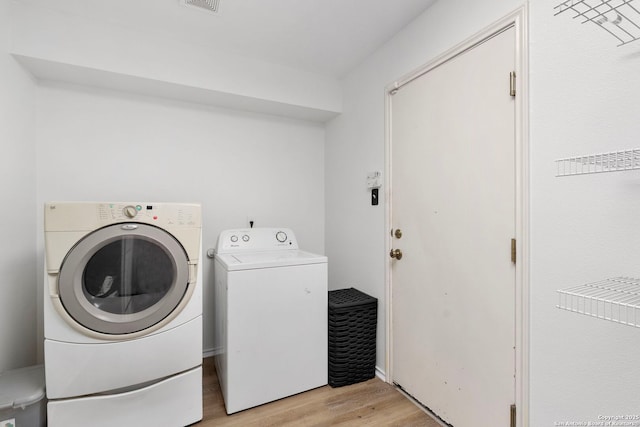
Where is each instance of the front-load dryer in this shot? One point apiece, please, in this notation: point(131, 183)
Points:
point(123, 313)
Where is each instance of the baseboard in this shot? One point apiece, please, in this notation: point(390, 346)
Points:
point(381, 374)
point(210, 352)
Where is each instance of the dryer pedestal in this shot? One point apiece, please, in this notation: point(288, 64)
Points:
point(174, 401)
point(77, 370)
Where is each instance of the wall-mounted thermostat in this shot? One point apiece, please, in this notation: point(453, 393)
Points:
point(374, 180)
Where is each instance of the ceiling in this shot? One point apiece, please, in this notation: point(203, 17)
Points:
point(329, 37)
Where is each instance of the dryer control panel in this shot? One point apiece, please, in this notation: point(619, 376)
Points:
point(162, 213)
point(67, 223)
point(77, 216)
point(256, 240)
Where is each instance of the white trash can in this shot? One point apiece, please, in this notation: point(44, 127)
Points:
point(22, 398)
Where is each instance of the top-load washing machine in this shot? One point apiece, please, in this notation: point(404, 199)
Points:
point(271, 317)
point(123, 313)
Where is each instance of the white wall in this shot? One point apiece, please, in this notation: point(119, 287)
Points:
point(104, 145)
point(18, 313)
point(584, 94)
point(64, 45)
point(584, 100)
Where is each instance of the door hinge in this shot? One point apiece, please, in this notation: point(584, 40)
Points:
point(513, 416)
point(513, 251)
point(512, 83)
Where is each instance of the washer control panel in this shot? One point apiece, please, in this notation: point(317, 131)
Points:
point(256, 240)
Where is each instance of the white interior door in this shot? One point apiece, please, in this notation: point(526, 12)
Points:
point(453, 198)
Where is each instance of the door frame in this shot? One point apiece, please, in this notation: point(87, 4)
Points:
point(517, 19)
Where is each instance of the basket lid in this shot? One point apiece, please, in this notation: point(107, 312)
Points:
point(349, 297)
point(21, 387)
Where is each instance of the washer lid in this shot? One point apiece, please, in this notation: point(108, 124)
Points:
point(270, 259)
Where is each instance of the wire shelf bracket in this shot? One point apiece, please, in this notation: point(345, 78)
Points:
point(620, 18)
point(598, 163)
point(616, 299)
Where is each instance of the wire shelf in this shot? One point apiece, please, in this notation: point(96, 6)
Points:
point(620, 18)
point(616, 299)
point(599, 163)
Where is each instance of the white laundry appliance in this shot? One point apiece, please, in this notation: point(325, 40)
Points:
point(123, 314)
point(271, 317)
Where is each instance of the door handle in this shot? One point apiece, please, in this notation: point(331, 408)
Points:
point(396, 253)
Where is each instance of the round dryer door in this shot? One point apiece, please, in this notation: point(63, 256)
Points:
point(123, 278)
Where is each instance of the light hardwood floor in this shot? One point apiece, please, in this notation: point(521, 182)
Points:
point(370, 403)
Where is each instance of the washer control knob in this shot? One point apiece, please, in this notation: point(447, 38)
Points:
point(281, 236)
point(130, 211)
point(245, 238)
point(234, 238)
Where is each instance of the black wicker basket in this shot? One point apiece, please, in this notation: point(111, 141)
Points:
point(353, 317)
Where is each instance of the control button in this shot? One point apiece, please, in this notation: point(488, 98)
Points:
point(130, 211)
point(281, 236)
point(234, 238)
point(245, 238)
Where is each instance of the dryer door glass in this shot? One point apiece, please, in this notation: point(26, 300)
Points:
point(124, 278)
point(128, 275)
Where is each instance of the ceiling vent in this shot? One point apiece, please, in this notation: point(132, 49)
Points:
point(211, 6)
